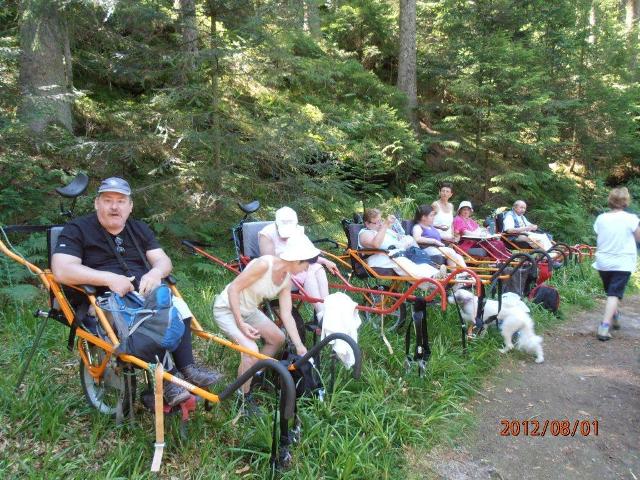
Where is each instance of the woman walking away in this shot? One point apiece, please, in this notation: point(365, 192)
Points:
point(616, 255)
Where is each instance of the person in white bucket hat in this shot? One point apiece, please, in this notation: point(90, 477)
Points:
point(272, 240)
point(475, 240)
point(237, 309)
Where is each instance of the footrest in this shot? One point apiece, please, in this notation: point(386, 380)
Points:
point(186, 408)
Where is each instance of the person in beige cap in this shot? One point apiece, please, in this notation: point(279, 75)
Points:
point(272, 240)
point(237, 309)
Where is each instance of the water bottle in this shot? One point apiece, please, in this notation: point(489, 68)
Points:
point(397, 227)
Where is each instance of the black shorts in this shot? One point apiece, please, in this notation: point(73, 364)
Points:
point(614, 282)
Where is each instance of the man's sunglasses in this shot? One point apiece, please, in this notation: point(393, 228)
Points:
point(119, 242)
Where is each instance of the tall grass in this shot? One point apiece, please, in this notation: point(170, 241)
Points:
point(362, 430)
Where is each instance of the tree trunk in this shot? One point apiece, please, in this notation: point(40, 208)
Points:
point(189, 29)
point(407, 81)
point(312, 18)
point(631, 12)
point(46, 80)
point(592, 24)
point(215, 88)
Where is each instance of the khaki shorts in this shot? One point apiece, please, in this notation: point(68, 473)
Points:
point(227, 323)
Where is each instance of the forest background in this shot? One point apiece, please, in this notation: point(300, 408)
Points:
point(324, 105)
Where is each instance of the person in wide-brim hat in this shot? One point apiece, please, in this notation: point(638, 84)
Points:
point(237, 309)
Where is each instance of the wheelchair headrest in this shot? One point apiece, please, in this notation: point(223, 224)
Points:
point(250, 230)
point(407, 225)
point(76, 188)
point(352, 230)
point(249, 207)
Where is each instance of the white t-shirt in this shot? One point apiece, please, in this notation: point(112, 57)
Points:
point(616, 247)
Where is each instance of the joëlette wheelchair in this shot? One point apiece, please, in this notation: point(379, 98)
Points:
point(559, 252)
point(245, 239)
point(108, 378)
point(519, 268)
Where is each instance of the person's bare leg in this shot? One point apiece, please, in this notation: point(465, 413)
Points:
point(610, 309)
point(246, 361)
point(272, 336)
point(317, 285)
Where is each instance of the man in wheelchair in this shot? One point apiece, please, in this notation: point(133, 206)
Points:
point(520, 229)
point(108, 250)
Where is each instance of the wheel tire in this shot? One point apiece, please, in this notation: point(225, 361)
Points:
point(103, 394)
point(394, 321)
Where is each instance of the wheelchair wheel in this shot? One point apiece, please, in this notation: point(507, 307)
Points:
point(103, 393)
point(393, 321)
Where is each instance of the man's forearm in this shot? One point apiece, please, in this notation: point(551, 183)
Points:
point(162, 266)
point(76, 274)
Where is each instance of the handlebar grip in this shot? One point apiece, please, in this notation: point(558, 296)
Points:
point(288, 387)
point(357, 366)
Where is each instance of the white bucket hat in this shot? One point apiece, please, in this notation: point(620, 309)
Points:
point(298, 248)
point(287, 222)
point(466, 203)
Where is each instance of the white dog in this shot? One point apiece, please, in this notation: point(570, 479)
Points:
point(514, 316)
point(514, 319)
point(468, 303)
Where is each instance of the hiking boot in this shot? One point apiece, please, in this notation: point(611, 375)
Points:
point(175, 394)
point(603, 332)
point(615, 321)
point(199, 376)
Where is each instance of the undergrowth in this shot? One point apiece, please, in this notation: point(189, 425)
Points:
point(362, 430)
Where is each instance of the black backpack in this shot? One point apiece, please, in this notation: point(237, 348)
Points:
point(520, 280)
point(546, 296)
point(305, 377)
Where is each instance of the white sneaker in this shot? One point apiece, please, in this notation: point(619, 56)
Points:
point(603, 332)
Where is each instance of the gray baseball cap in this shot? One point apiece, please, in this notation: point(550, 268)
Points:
point(115, 184)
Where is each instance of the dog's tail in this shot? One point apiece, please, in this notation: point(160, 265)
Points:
point(529, 343)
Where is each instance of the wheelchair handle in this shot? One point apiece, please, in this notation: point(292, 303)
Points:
point(523, 258)
point(357, 366)
point(287, 385)
point(542, 253)
point(192, 244)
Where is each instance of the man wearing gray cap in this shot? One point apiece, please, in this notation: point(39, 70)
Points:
point(90, 251)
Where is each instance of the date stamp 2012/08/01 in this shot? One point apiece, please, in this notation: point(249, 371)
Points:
point(555, 428)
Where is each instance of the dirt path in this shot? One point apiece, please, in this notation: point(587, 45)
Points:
point(581, 379)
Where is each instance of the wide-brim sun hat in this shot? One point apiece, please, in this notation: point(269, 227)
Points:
point(287, 222)
point(298, 248)
point(463, 204)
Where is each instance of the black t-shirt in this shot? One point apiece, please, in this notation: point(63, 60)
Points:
point(84, 238)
